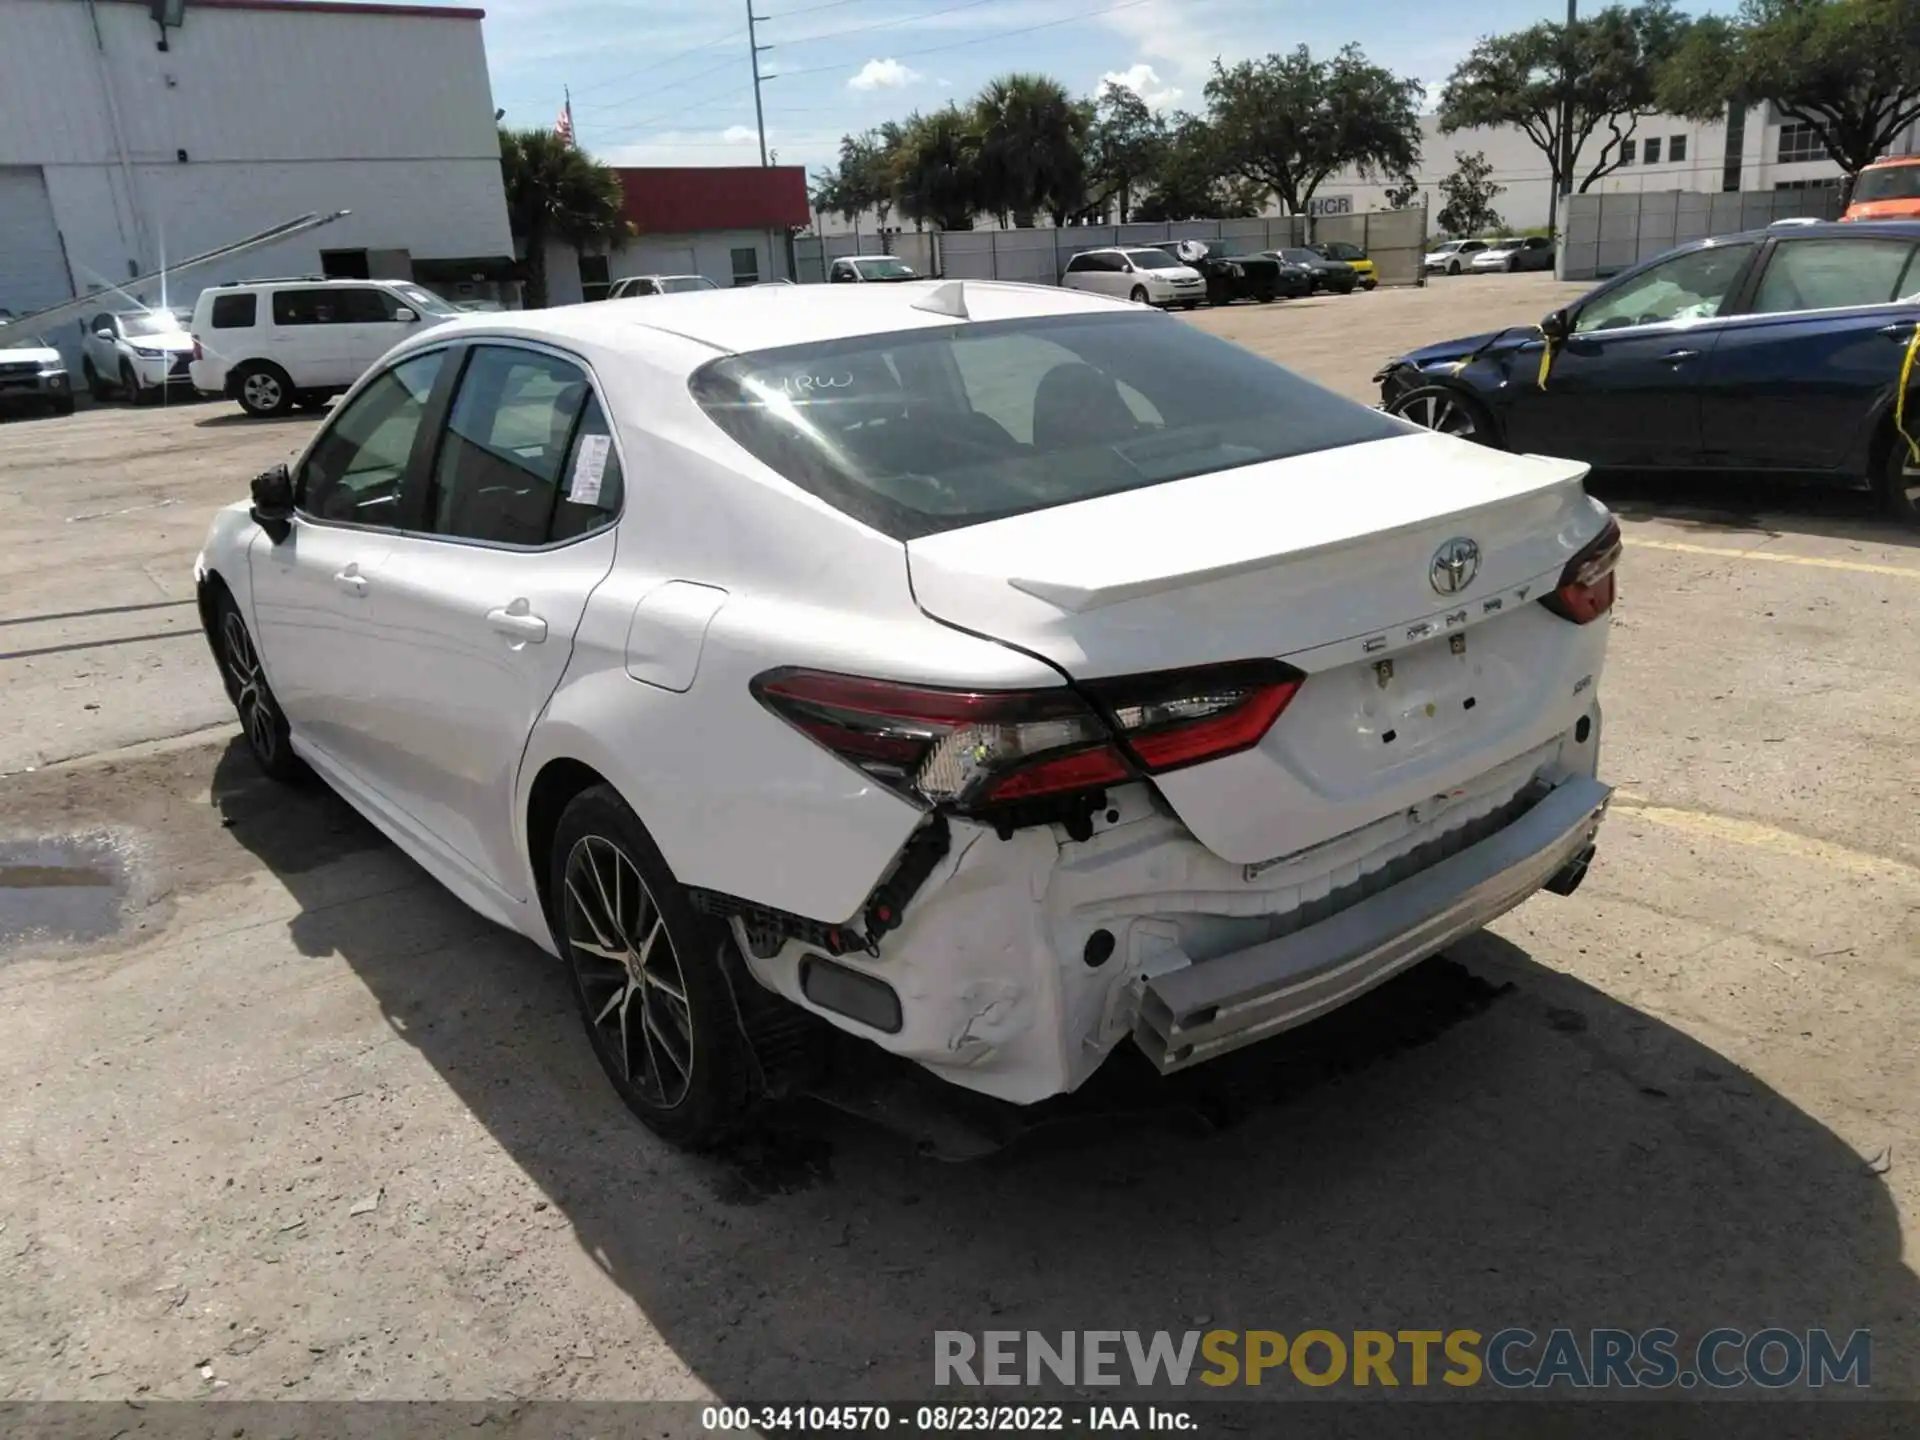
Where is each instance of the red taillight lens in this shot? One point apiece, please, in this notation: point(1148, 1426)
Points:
point(963, 748)
point(196, 349)
point(1181, 717)
point(977, 749)
point(1586, 586)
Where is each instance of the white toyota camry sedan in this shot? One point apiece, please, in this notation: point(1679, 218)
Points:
point(1001, 674)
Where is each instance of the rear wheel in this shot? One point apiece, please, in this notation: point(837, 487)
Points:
point(1442, 408)
point(264, 390)
point(1900, 484)
point(647, 973)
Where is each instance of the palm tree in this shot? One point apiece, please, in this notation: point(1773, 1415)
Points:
point(1033, 139)
point(937, 172)
point(556, 192)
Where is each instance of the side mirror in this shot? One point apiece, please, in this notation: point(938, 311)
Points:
point(404, 315)
point(1555, 325)
point(273, 502)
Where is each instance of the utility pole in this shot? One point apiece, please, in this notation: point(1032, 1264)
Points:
point(754, 48)
point(1554, 203)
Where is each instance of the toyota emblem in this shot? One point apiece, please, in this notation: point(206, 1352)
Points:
point(1454, 565)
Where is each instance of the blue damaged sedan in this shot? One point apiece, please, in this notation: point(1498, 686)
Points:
point(1778, 350)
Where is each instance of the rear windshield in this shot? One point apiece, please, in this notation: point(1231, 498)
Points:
point(886, 269)
point(1894, 182)
point(929, 430)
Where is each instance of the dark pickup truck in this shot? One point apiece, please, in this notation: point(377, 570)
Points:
point(1233, 277)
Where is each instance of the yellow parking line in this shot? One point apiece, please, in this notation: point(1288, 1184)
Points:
point(1763, 837)
point(1862, 566)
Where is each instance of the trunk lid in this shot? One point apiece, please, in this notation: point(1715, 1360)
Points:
point(1327, 561)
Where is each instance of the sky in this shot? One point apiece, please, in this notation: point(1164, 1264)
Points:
point(666, 82)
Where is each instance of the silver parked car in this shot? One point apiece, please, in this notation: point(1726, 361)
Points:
point(1530, 252)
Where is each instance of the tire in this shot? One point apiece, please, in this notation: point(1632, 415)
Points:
point(1454, 268)
point(263, 390)
point(96, 387)
point(311, 400)
point(671, 1043)
point(261, 719)
point(1450, 411)
point(64, 405)
point(130, 385)
point(1900, 484)
point(1139, 295)
point(1513, 266)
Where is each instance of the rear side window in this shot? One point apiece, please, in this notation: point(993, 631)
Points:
point(1831, 274)
point(528, 456)
point(308, 307)
point(235, 312)
point(932, 430)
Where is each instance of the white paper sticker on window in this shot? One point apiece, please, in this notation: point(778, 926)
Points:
point(589, 469)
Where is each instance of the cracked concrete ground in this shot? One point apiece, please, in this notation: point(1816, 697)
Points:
point(302, 1126)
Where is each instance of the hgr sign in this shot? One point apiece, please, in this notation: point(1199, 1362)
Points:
point(1330, 205)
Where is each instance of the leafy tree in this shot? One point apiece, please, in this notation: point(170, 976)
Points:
point(1192, 181)
point(557, 192)
point(863, 179)
point(1604, 70)
point(1848, 68)
point(1289, 121)
point(1126, 146)
point(937, 169)
point(1403, 192)
point(1469, 193)
point(1032, 142)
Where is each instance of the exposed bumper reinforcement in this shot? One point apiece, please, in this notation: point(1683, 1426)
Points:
point(1203, 1010)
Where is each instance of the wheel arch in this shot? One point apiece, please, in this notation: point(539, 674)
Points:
point(556, 785)
point(1495, 418)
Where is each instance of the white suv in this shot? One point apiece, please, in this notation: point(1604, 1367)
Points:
point(274, 344)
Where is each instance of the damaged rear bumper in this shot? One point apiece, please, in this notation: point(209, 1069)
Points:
point(1202, 1010)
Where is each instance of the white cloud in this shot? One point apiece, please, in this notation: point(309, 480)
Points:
point(1145, 82)
point(883, 75)
point(739, 134)
point(1189, 44)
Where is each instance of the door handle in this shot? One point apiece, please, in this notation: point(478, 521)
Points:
point(351, 580)
point(1674, 357)
point(518, 622)
point(1896, 331)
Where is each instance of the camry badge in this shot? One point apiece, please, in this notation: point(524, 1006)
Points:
point(1454, 565)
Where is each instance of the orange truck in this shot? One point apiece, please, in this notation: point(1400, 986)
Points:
point(1888, 189)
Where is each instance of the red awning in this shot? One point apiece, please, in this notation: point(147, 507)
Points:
point(680, 200)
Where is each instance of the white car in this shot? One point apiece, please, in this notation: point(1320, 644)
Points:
point(1145, 276)
point(138, 353)
point(658, 285)
point(274, 344)
point(870, 270)
point(996, 673)
point(1515, 253)
point(1453, 256)
point(32, 375)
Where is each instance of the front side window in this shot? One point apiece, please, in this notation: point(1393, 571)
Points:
point(354, 470)
point(684, 284)
point(366, 307)
point(1152, 260)
point(930, 430)
point(510, 471)
point(1688, 287)
point(842, 273)
point(1832, 274)
point(235, 312)
point(886, 268)
point(423, 301)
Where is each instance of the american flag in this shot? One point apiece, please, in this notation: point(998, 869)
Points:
point(563, 126)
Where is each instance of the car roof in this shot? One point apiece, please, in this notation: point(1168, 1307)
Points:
point(767, 317)
point(1893, 229)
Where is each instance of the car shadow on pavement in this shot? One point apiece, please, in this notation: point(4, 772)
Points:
point(1714, 505)
point(1483, 1143)
point(241, 417)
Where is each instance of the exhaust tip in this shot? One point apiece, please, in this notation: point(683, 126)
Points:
point(1567, 879)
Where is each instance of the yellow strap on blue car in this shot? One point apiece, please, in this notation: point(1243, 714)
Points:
point(1546, 359)
point(1900, 396)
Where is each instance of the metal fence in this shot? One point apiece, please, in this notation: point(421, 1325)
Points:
point(1395, 239)
point(1605, 234)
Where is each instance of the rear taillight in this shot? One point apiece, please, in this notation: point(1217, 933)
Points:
point(977, 751)
point(1586, 587)
point(196, 348)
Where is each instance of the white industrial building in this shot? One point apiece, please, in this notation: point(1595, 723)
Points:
point(132, 131)
point(1767, 152)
